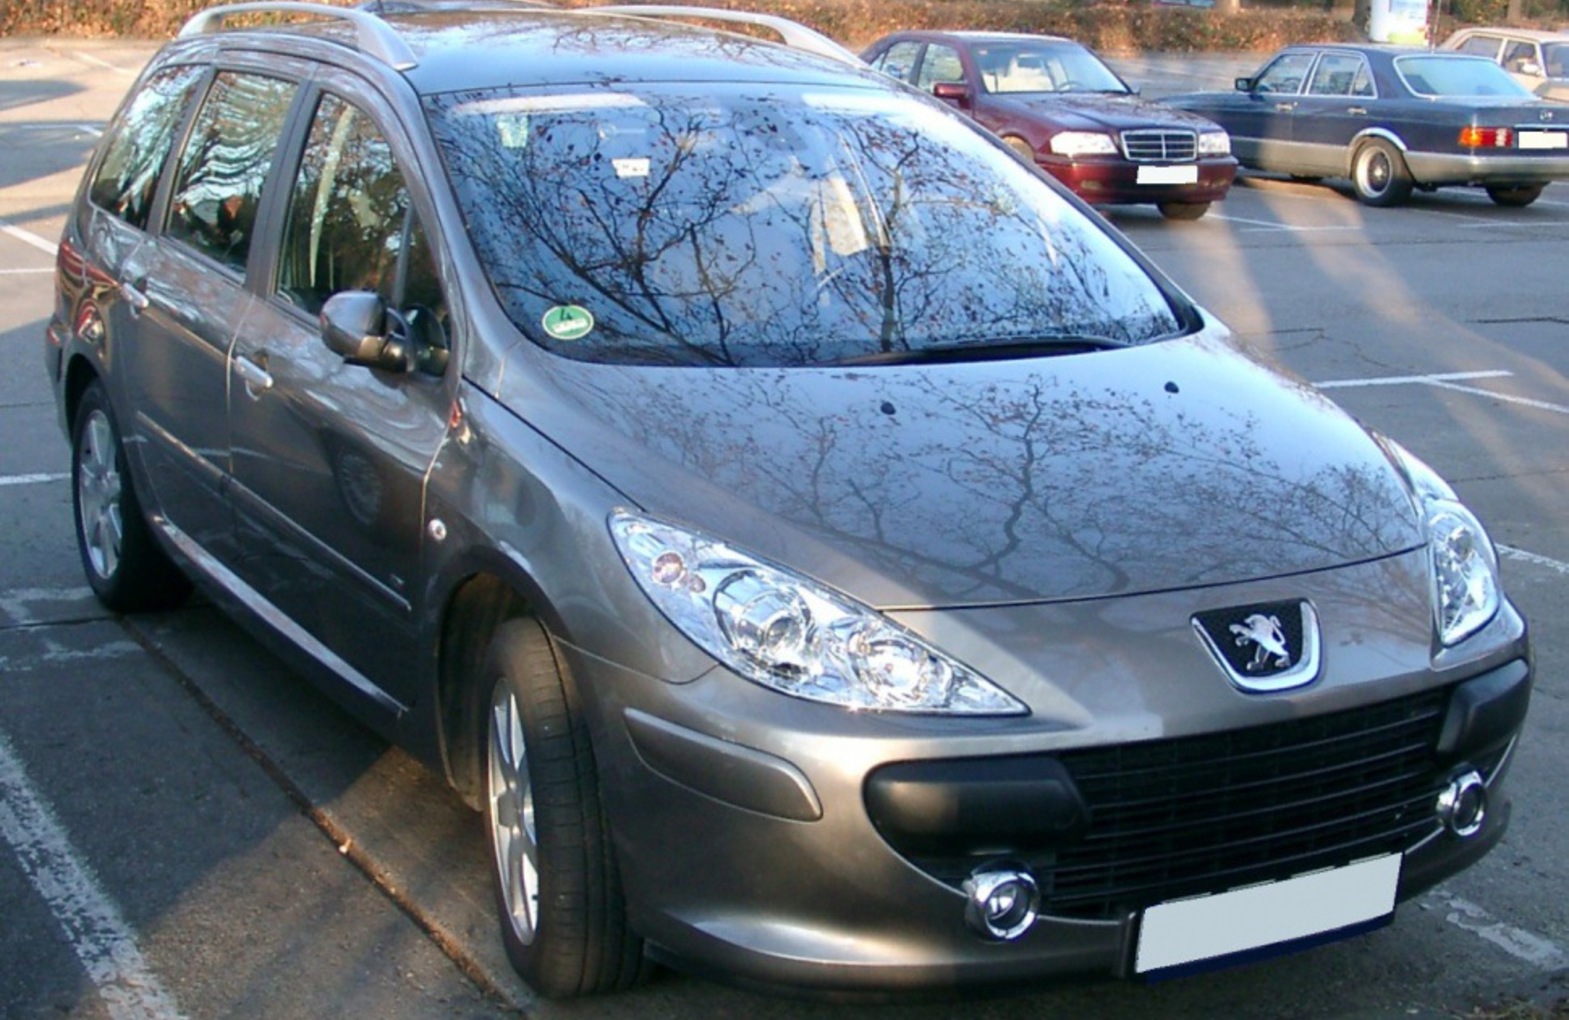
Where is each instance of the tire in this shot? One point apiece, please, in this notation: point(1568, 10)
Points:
point(1022, 147)
point(1517, 197)
point(125, 566)
point(1183, 210)
point(1379, 174)
point(558, 891)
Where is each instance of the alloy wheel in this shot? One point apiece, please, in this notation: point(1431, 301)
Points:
point(514, 838)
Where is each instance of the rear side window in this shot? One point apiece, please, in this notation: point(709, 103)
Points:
point(134, 155)
point(227, 157)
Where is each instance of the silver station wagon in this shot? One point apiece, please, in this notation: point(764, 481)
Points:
point(824, 553)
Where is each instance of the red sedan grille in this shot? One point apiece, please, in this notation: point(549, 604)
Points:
point(1152, 145)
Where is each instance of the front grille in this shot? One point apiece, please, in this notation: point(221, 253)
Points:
point(1152, 145)
point(1179, 817)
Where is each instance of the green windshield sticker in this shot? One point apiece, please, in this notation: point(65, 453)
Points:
point(568, 322)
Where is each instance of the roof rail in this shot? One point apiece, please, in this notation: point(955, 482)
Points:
point(374, 36)
point(793, 33)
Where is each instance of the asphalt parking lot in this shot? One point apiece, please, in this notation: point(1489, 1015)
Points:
point(186, 829)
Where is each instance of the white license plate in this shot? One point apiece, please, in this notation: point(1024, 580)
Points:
point(1542, 139)
point(1208, 927)
point(1168, 175)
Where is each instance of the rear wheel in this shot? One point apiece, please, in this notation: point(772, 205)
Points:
point(1183, 210)
point(1516, 197)
point(124, 564)
point(1379, 174)
point(563, 918)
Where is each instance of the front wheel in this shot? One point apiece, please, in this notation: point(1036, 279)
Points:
point(1183, 210)
point(563, 918)
point(1379, 174)
point(124, 564)
point(1516, 197)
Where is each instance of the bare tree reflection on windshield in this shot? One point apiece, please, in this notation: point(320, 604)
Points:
point(781, 228)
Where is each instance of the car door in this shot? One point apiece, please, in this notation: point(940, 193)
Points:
point(1337, 105)
point(1261, 126)
point(188, 293)
point(330, 458)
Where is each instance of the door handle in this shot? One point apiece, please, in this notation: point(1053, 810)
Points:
point(256, 378)
point(1285, 107)
point(1360, 111)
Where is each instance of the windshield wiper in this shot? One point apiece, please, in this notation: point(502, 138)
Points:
point(984, 350)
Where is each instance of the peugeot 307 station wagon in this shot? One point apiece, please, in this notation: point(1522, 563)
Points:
point(823, 551)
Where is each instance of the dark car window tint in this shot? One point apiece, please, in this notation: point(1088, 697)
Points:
point(1285, 74)
point(227, 157)
point(351, 225)
point(676, 228)
point(942, 63)
point(1337, 74)
point(134, 158)
point(898, 60)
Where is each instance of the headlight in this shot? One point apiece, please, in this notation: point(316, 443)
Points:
point(1083, 143)
point(1214, 143)
point(1465, 565)
point(791, 634)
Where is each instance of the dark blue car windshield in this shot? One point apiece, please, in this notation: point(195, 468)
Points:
point(782, 227)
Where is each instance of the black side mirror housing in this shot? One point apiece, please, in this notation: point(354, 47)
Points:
point(354, 326)
point(1244, 84)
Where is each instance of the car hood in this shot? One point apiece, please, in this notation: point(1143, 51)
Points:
point(1094, 110)
point(1178, 464)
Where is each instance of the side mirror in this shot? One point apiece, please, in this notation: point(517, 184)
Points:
point(951, 91)
point(1243, 84)
point(354, 326)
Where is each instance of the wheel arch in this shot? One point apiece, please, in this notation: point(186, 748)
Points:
point(475, 608)
point(1368, 134)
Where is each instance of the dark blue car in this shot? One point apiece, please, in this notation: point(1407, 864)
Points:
point(1391, 120)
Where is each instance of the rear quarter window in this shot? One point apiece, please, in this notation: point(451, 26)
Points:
point(138, 145)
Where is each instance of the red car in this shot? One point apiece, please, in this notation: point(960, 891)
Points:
point(1058, 104)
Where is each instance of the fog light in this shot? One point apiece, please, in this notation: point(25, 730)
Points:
point(1462, 806)
point(1003, 902)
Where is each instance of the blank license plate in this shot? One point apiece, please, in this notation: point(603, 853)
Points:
point(1168, 175)
point(1211, 927)
point(1543, 139)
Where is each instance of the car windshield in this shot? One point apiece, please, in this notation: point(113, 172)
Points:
point(1033, 67)
point(776, 227)
point(1438, 74)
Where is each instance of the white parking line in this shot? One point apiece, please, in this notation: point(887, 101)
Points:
point(1509, 552)
point(1517, 942)
point(1449, 381)
point(1405, 380)
point(1273, 225)
point(28, 237)
point(7, 480)
point(88, 58)
point(90, 919)
point(41, 270)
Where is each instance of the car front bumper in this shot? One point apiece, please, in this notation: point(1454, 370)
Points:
point(1115, 182)
point(780, 843)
